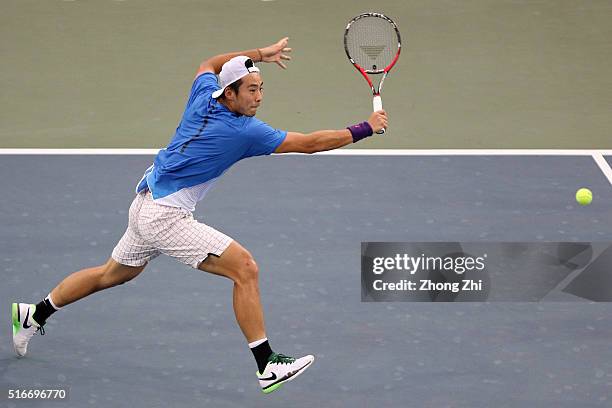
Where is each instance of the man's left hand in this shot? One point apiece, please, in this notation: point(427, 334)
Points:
point(277, 52)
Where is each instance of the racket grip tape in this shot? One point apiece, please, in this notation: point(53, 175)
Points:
point(377, 105)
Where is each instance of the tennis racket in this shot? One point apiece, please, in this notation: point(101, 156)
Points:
point(372, 43)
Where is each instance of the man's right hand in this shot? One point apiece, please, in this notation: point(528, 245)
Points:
point(378, 121)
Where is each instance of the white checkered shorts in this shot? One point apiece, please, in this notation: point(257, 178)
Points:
point(155, 229)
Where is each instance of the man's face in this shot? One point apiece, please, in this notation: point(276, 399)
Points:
point(250, 95)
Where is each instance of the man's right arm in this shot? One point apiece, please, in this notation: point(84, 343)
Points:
point(323, 140)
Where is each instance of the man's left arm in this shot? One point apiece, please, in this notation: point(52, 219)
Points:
point(276, 53)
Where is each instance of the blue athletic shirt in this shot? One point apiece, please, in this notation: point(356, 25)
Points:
point(208, 141)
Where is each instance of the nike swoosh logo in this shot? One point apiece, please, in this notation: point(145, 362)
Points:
point(25, 322)
point(270, 378)
point(292, 373)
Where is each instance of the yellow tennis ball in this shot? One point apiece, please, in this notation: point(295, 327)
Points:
point(584, 196)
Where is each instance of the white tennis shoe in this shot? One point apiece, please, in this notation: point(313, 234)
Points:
point(280, 369)
point(24, 327)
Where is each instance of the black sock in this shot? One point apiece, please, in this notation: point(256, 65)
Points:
point(261, 353)
point(44, 309)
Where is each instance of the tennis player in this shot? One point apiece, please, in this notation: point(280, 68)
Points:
point(218, 128)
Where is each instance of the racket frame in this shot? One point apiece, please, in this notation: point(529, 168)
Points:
point(376, 99)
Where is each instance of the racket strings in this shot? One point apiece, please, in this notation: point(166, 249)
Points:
point(372, 43)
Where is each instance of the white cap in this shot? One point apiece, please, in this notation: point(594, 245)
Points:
point(234, 69)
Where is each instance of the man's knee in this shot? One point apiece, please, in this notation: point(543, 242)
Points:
point(114, 273)
point(248, 271)
point(235, 263)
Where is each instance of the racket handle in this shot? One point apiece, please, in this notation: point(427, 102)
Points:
point(377, 105)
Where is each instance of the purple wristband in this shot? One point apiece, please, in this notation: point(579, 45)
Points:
point(360, 131)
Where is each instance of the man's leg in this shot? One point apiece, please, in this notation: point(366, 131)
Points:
point(87, 281)
point(30, 318)
point(237, 264)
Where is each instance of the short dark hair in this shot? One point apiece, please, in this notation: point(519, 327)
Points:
point(234, 85)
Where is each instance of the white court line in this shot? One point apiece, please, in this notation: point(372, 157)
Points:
point(339, 152)
point(596, 154)
point(102, 152)
point(603, 166)
point(464, 152)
